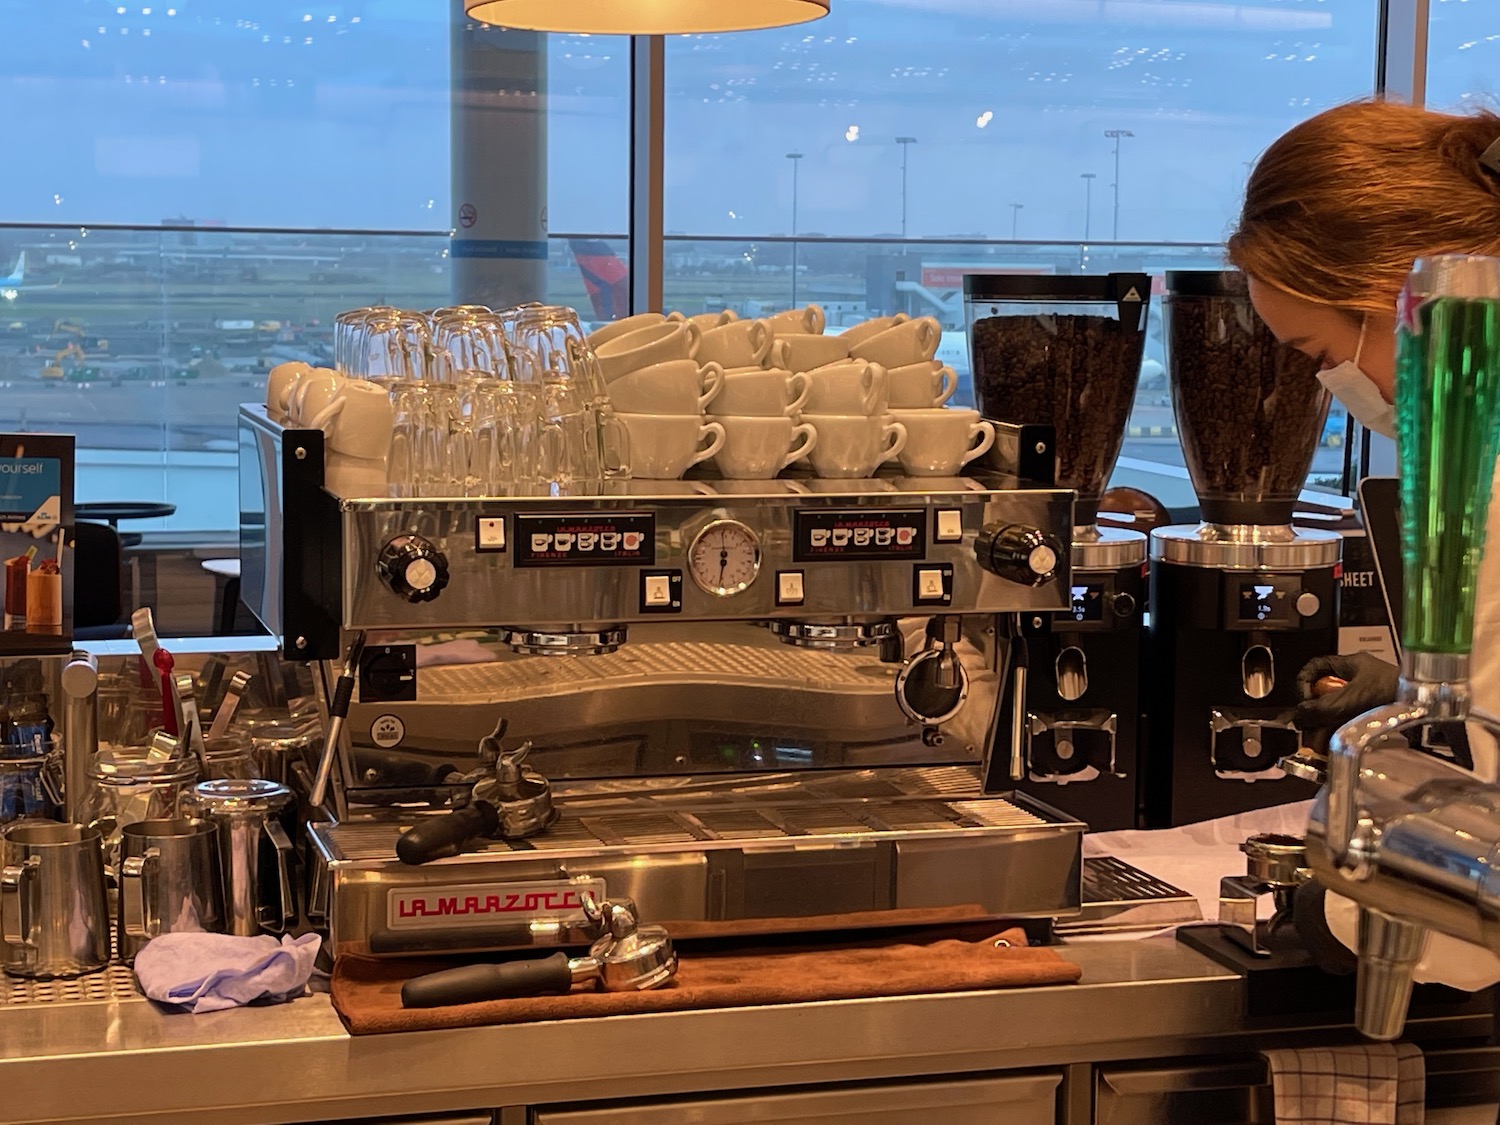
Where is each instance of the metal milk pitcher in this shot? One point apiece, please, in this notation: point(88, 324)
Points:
point(53, 914)
point(169, 881)
point(255, 852)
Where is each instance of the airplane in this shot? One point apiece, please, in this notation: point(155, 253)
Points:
point(13, 286)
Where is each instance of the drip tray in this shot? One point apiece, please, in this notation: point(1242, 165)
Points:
point(1120, 898)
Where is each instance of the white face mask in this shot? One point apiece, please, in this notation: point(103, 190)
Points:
point(1359, 394)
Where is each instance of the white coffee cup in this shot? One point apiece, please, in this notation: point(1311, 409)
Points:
point(741, 343)
point(664, 446)
point(918, 386)
point(940, 441)
point(355, 477)
point(281, 380)
point(758, 448)
point(808, 320)
point(311, 394)
point(617, 328)
point(804, 351)
point(358, 420)
point(655, 343)
point(901, 344)
point(706, 320)
point(865, 329)
point(758, 392)
point(847, 388)
point(679, 386)
point(853, 445)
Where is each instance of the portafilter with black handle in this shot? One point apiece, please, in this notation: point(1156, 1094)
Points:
point(628, 958)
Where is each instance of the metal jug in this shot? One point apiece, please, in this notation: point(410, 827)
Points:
point(255, 851)
point(169, 881)
point(53, 912)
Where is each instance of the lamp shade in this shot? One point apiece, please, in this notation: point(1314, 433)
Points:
point(645, 17)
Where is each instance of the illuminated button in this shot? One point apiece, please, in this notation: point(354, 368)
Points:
point(789, 587)
point(930, 585)
point(658, 589)
point(950, 526)
point(491, 536)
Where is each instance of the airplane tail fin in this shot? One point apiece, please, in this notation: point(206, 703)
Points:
point(19, 274)
point(606, 278)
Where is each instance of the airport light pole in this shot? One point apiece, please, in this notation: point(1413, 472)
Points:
point(1015, 219)
point(1115, 135)
point(796, 159)
point(1088, 200)
point(905, 143)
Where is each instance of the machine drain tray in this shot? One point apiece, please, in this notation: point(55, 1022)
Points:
point(726, 856)
point(1120, 898)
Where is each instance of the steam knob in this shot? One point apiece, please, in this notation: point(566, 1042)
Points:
point(1021, 554)
point(413, 568)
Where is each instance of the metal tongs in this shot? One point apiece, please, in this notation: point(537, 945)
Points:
point(507, 801)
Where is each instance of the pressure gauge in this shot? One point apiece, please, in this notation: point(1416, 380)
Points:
point(725, 558)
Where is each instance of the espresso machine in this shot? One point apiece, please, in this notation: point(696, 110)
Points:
point(1240, 601)
point(752, 706)
point(1065, 352)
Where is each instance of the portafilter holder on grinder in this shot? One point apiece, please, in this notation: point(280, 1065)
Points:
point(1249, 409)
point(1061, 351)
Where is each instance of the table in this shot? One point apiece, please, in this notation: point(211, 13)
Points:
point(112, 512)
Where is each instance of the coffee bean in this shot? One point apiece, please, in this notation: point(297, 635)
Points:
point(1075, 373)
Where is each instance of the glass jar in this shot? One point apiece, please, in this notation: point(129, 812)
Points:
point(232, 756)
point(29, 784)
point(127, 786)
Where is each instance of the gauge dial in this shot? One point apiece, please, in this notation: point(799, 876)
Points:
point(725, 558)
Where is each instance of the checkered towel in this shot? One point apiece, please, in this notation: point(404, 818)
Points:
point(1374, 1084)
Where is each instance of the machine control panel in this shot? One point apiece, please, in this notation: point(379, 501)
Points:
point(1268, 601)
point(1022, 554)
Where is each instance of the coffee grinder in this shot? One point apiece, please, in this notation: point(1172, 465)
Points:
point(1065, 352)
point(1242, 600)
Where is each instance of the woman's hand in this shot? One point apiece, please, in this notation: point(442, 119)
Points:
point(1335, 689)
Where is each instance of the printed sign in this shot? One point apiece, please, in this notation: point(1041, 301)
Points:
point(490, 904)
point(836, 536)
point(36, 559)
point(586, 539)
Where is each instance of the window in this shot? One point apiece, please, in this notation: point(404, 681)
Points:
point(1463, 55)
point(902, 142)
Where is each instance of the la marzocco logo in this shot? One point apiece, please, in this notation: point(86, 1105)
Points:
point(485, 904)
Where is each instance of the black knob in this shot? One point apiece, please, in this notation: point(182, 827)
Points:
point(1123, 604)
point(413, 568)
point(1022, 554)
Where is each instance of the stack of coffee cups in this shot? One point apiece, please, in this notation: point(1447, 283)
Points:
point(758, 405)
point(354, 415)
point(659, 387)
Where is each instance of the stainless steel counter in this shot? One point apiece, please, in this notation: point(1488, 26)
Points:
point(128, 1061)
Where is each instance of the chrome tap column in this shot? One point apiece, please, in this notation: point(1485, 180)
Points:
point(1416, 841)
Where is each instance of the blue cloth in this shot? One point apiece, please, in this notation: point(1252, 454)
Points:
point(210, 972)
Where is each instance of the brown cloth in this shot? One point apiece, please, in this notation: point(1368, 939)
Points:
point(367, 991)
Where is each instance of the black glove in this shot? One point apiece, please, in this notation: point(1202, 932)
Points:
point(1369, 683)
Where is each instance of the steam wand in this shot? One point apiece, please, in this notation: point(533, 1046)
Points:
point(338, 711)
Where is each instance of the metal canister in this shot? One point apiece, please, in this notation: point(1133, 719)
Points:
point(255, 850)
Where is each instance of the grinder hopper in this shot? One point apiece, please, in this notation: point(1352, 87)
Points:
point(1063, 351)
point(1249, 410)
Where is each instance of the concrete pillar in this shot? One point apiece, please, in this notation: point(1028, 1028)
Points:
point(499, 122)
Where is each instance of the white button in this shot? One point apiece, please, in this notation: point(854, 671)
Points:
point(789, 587)
point(1308, 603)
point(930, 585)
point(658, 589)
point(950, 525)
point(492, 533)
point(420, 574)
point(1042, 560)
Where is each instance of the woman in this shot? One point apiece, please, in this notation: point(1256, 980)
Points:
point(1335, 213)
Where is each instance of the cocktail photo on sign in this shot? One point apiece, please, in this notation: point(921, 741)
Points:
point(36, 558)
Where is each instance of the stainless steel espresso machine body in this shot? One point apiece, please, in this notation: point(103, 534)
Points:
point(1065, 352)
point(760, 706)
point(1241, 601)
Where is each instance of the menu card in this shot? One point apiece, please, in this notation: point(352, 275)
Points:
point(36, 557)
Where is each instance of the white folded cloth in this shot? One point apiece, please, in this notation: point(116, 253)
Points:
point(1369, 1084)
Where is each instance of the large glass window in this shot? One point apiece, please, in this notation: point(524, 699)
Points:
point(197, 192)
point(904, 141)
point(1463, 55)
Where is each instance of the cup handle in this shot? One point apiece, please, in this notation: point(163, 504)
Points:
point(614, 445)
point(816, 321)
point(761, 339)
point(695, 336)
point(986, 433)
point(950, 384)
point(712, 375)
point(799, 397)
point(133, 897)
point(714, 431)
point(778, 353)
point(676, 316)
point(898, 431)
point(277, 916)
point(15, 909)
point(797, 452)
point(327, 414)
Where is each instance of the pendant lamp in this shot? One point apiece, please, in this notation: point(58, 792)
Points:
point(645, 17)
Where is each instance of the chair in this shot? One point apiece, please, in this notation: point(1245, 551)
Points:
point(98, 583)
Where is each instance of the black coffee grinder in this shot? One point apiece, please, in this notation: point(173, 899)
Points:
point(1065, 352)
point(1242, 600)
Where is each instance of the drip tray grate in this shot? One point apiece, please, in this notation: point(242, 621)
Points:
point(1120, 897)
point(114, 982)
